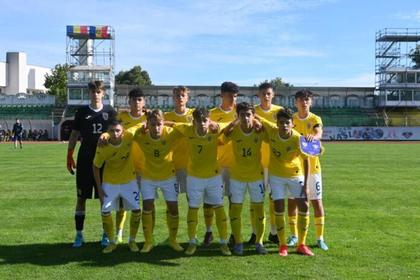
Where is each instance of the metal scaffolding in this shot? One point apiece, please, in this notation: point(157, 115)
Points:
point(90, 55)
point(397, 75)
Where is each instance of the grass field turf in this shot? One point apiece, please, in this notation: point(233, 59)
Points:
point(371, 194)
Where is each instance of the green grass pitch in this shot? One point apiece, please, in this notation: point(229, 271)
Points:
point(371, 196)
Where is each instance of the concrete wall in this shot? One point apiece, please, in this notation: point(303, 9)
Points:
point(36, 78)
point(3, 76)
point(16, 76)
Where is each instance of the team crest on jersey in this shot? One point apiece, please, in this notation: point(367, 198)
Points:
point(309, 126)
point(105, 116)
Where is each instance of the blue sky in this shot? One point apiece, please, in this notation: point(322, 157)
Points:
point(306, 42)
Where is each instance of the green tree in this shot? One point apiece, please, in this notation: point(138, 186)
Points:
point(56, 82)
point(277, 83)
point(134, 76)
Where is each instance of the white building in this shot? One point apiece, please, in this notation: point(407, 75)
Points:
point(16, 76)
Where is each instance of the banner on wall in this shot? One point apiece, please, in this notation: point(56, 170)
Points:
point(371, 133)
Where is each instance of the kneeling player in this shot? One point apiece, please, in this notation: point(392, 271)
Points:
point(288, 175)
point(119, 183)
point(246, 174)
point(204, 182)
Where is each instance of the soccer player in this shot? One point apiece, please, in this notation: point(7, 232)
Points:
point(310, 126)
point(225, 113)
point(246, 174)
point(133, 118)
point(89, 123)
point(287, 174)
point(180, 114)
point(158, 172)
point(267, 110)
point(17, 133)
point(204, 182)
point(118, 190)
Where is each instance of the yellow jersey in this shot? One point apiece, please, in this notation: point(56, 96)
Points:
point(180, 152)
point(224, 152)
point(246, 165)
point(304, 127)
point(269, 115)
point(286, 158)
point(202, 161)
point(158, 163)
point(128, 121)
point(119, 167)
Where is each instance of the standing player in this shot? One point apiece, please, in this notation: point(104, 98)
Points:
point(158, 172)
point(310, 126)
point(132, 118)
point(17, 133)
point(246, 174)
point(287, 174)
point(204, 182)
point(118, 190)
point(89, 122)
point(267, 110)
point(225, 113)
point(180, 114)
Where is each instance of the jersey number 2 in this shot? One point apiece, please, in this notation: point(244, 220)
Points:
point(97, 128)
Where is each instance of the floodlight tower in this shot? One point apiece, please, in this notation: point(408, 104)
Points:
point(397, 67)
point(90, 55)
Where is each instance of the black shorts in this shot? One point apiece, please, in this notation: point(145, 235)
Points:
point(17, 137)
point(85, 181)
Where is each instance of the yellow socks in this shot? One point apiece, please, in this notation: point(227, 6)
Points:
point(221, 222)
point(293, 225)
point(147, 226)
point(236, 221)
point(280, 224)
point(259, 221)
point(252, 217)
point(319, 227)
point(208, 216)
point(192, 221)
point(120, 217)
point(108, 226)
point(134, 224)
point(172, 223)
point(272, 215)
point(303, 224)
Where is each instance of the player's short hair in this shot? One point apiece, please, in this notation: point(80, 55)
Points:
point(180, 89)
point(286, 113)
point(114, 122)
point(244, 106)
point(136, 92)
point(305, 93)
point(96, 85)
point(264, 86)
point(155, 114)
point(229, 87)
point(200, 114)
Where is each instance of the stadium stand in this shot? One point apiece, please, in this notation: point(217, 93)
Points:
point(402, 116)
point(349, 116)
